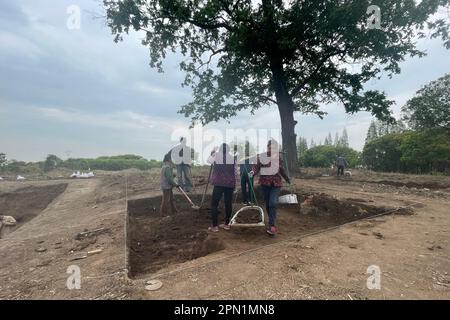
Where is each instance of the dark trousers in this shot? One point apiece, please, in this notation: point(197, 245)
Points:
point(247, 187)
point(271, 195)
point(167, 203)
point(340, 171)
point(184, 177)
point(228, 198)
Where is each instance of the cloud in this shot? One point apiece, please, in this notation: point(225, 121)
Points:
point(84, 92)
point(121, 120)
point(14, 45)
point(154, 89)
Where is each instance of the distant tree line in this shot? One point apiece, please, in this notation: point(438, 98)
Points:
point(324, 154)
point(420, 141)
point(424, 151)
point(113, 163)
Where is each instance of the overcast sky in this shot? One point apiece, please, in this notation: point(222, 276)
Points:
point(77, 93)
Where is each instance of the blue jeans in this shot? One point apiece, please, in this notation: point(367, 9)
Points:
point(184, 177)
point(246, 188)
point(271, 195)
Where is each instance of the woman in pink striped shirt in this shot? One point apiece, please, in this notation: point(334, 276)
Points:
point(223, 179)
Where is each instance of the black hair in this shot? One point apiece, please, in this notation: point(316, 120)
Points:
point(167, 157)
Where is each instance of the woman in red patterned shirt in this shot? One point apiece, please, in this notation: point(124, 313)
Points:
point(270, 168)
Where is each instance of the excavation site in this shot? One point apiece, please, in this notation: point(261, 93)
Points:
point(156, 242)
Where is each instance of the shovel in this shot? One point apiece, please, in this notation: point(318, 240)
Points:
point(207, 185)
point(193, 206)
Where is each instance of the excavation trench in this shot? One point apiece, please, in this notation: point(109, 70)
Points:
point(27, 203)
point(155, 242)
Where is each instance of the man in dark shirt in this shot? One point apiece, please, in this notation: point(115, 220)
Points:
point(341, 164)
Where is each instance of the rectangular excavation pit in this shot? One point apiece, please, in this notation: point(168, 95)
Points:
point(156, 242)
point(27, 203)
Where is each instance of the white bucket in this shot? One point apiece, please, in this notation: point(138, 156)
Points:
point(288, 198)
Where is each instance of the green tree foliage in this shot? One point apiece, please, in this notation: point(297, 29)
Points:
point(52, 162)
point(21, 167)
point(426, 151)
point(113, 163)
point(336, 139)
point(325, 156)
point(122, 157)
point(383, 154)
point(378, 129)
point(398, 127)
point(430, 108)
point(244, 54)
point(411, 151)
point(3, 161)
point(302, 148)
point(384, 128)
point(328, 140)
point(344, 139)
point(372, 132)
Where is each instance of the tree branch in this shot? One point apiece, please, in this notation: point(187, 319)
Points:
point(324, 59)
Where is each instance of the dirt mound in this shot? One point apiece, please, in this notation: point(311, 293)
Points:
point(410, 184)
point(358, 200)
point(150, 206)
point(343, 210)
point(249, 216)
point(26, 203)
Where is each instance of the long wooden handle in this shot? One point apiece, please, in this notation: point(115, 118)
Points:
point(187, 197)
point(207, 184)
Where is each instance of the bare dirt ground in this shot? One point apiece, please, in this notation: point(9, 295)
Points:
point(61, 220)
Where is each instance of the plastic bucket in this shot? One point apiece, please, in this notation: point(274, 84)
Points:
point(288, 199)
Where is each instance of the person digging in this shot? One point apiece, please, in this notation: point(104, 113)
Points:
point(167, 184)
point(341, 164)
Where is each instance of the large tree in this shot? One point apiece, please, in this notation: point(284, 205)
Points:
point(430, 108)
point(245, 54)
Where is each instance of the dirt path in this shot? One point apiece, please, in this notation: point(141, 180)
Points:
point(34, 259)
point(412, 252)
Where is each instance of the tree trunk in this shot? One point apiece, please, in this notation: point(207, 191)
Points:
point(286, 110)
point(289, 138)
point(280, 87)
